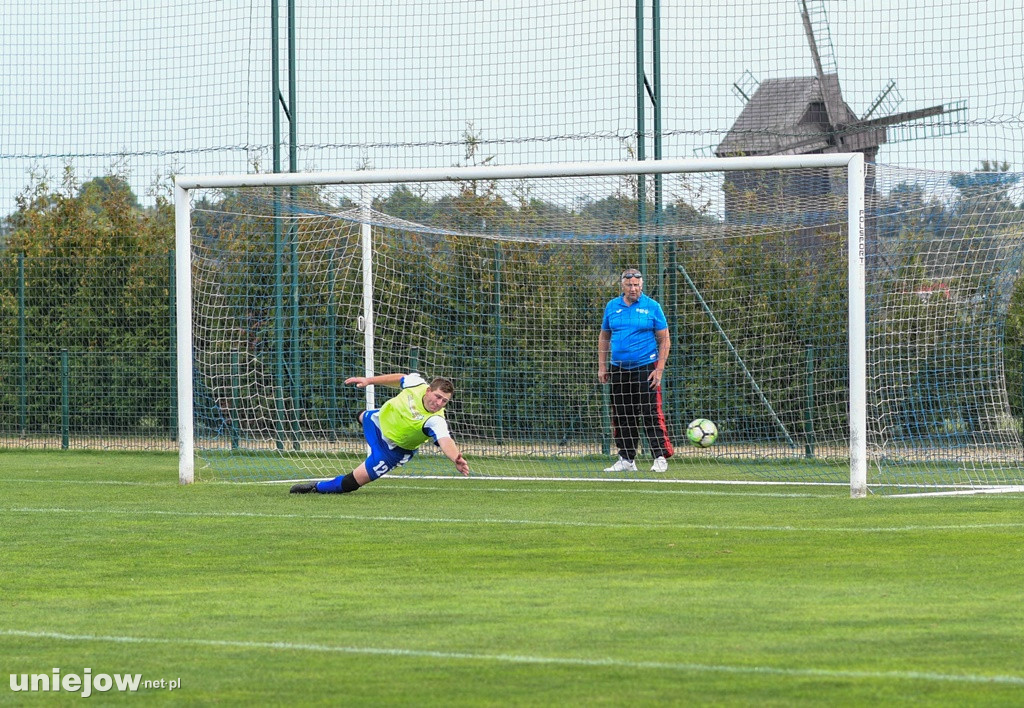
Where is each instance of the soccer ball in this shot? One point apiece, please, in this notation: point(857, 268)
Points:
point(702, 432)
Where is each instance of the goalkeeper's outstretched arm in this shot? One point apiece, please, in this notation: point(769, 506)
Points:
point(451, 451)
point(394, 380)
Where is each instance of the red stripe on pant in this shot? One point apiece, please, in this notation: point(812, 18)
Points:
point(636, 407)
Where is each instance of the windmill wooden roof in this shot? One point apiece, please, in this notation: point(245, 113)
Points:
point(784, 116)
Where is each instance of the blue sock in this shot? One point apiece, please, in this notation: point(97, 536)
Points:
point(330, 486)
point(342, 484)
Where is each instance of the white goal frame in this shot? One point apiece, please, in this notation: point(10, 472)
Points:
point(853, 163)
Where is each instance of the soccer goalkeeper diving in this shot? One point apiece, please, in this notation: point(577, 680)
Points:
point(396, 430)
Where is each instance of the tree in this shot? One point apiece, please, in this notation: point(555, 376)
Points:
point(96, 279)
point(984, 196)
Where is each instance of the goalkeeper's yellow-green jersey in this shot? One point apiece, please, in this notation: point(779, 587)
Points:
point(402, 418)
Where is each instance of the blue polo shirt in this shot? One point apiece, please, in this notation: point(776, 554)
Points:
point(633, 326)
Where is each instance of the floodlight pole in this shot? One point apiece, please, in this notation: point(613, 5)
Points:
point(659, 193)
point(649, 90)
point(641, 139)
point(292, 385)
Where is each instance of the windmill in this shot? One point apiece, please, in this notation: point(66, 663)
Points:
point(807, 114)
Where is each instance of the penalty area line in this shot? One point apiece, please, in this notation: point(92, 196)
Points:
point(939, 490)
point(408, 482)
point(682, 667)
point(570, 480)
point(112, 482)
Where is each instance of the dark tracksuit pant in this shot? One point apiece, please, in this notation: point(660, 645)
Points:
point(635, 407)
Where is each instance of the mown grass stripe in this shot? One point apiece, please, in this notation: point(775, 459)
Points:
point(514, 522)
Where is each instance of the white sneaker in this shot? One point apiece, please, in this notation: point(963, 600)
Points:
point(660, 465)
point(623, 465)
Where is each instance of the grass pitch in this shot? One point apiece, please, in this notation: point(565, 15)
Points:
point(471, 592)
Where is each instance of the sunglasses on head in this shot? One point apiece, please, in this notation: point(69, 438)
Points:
point(631, 274)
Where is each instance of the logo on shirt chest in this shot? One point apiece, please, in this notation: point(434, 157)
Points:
point(413, 411)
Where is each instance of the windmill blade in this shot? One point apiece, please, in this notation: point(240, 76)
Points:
point(857, 133)
point(888, 101)
point(818, 142)
point(745, 86)
point(907, 129)
point(828, 82)
point(812, 12)
point(903, 117)
point(864, 134)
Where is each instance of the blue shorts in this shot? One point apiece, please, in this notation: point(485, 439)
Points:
point(382, 459)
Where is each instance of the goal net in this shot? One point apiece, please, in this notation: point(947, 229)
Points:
point(840, 327)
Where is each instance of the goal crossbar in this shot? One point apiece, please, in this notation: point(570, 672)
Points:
point(542, 170)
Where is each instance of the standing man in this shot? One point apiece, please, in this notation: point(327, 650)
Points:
point(634, 332)
point(396, 430)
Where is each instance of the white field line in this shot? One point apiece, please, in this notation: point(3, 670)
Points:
point(111, 482)
point(408, 482)
point(612, 489)
point(505, 522)
point(939, 490)
point(485, 485)
point(476, 485)
point(685, 667)
point(629, 480)
point(1009, 489)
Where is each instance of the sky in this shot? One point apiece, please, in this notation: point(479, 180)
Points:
point(150, 88)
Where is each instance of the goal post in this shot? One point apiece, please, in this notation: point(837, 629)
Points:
point(496, 277)
point(183, 339)
point(855, 186)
